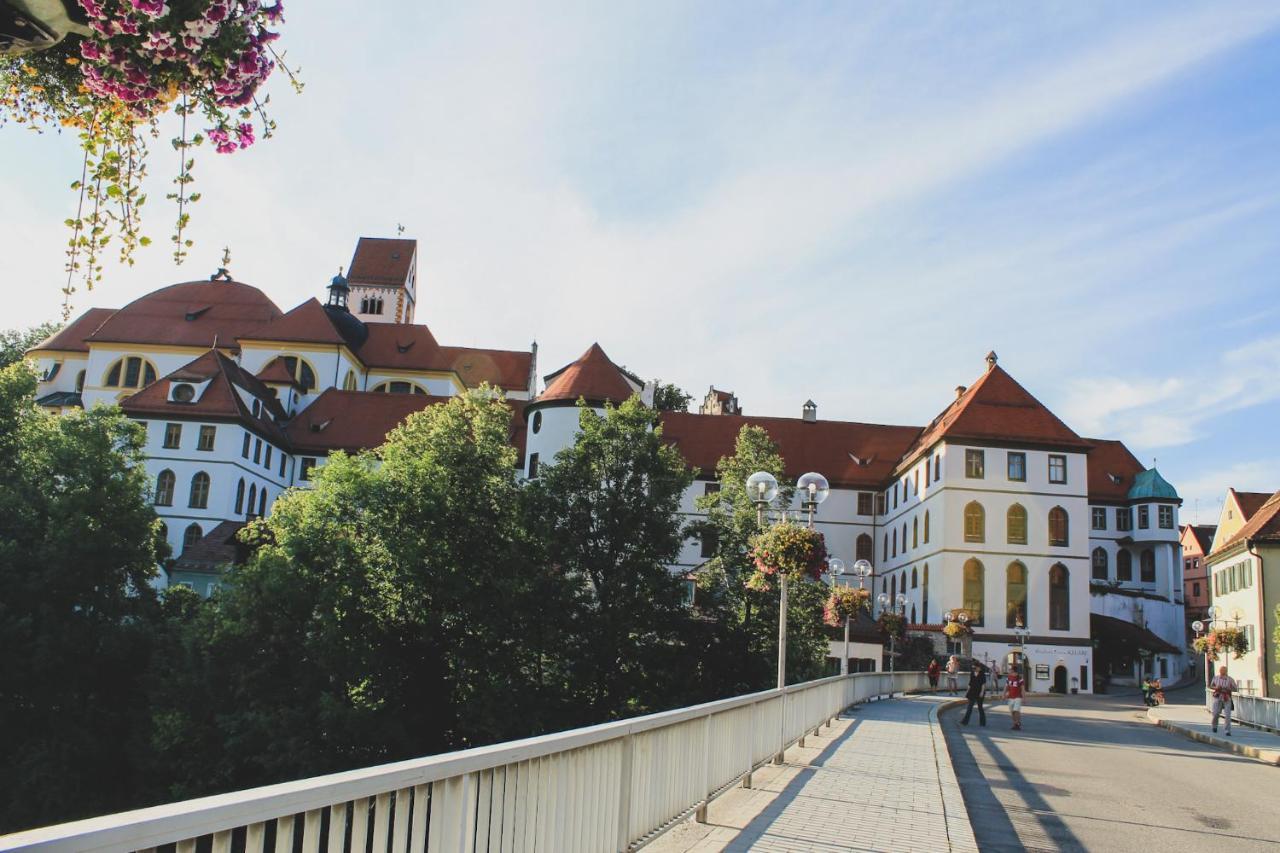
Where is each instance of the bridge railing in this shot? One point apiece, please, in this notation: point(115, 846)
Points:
point(1255, 710)
point(604, 787)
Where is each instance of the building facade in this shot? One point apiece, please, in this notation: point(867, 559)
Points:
point(996, 508)
point(1197, 542)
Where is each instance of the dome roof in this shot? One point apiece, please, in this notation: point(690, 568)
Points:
point(1149, 484)
point(193, 313)
point(351, 327)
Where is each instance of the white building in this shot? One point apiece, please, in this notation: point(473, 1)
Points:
point(996, 507)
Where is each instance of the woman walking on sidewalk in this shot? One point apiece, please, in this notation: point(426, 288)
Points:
point(953, 673)
point(1223, 686)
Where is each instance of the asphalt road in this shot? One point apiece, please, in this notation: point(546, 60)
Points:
point(1090, 773)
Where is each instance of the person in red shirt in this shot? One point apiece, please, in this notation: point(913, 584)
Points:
point(933, 671)
point(1013, 692)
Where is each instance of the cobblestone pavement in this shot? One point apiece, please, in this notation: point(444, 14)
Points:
point(880, 779)
point(1092, 773)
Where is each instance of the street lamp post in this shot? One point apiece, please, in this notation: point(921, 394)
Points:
point(894, 605)
point(862, 569)
point(1020, 633)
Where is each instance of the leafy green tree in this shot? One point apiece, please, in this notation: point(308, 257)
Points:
point(670, 398)
point(79, 546)
point(15, 342)
point(385, 613)
point(607, 511)
point(749, 618)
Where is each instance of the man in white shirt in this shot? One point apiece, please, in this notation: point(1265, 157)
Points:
point(1223, 686)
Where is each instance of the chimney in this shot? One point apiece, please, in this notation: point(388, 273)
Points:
point(960, 389)
point(991, 359)
point(810, 413)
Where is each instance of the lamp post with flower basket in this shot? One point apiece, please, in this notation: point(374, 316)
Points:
point(844, 602)
point(957, 629)
point(892, 622)
point(1221, 637)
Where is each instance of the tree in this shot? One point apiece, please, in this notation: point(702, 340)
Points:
point(607, 511)
point(385, 613)
point(79, 546)
point(670, 398)
point(14, 343)
point(748, 618)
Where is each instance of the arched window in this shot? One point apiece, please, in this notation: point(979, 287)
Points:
point(1124, 565)
point(904, 537)
point(301, 371)
point(253, 497)
point(884, 548)
point(79, 382)
point(262, 502)
point(199, 491)
point(974, 590)
point(937, 467)
point(191, 535)
point(240, 496)
point(1057, 526)
point(1147, 566)
point(915, 578)
point(895, 543)
point(1015, 522)
point(130, 372)
point(975, 523)
point(164, 488)
point(924, 594)
point(349, 381)
point(915, 532)
point(926, 527)
point(398, 387)
point(1059, 598)
point(862, 549)
point(893, 589)
point(1099, 564)
point(913, 614)
point(1015, 595)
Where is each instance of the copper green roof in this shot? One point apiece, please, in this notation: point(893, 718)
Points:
point(1150, 485)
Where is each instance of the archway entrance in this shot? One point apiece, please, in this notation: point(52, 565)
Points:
point(1059, 679)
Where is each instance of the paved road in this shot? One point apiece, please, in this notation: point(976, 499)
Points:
point(1091, 773)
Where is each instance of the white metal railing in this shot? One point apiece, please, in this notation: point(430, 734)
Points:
point(1254, 710)
point(600, 788)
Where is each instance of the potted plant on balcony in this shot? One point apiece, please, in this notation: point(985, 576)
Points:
point(788, 549)
point(111, 78)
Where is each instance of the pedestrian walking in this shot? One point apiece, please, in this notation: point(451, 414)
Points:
point(953, 674)
point(1146, 691)
point(1013, 692)
point(933, 672)
point(977, 685)
point(1223, 686)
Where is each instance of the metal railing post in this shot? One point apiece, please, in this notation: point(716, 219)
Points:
point(624, 793)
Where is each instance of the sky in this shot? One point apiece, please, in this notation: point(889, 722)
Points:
point(848, 202)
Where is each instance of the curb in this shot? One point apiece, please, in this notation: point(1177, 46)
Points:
point(1266, 756)
point(959, 828)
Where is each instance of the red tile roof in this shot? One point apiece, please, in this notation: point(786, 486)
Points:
point(219, 399)
point(401, 346)
point(215, 550)
point(308, 322)
point(997, 408)
point(1202, 534)
point(74, 336)
point(193, 314)
point(379, 260)
point(592, 377)
point(826, 446)
point(1111, 470)
point(506, 369)
point(276, 373)
point(1263, 524)
point(361, 420)
point(1250, 502)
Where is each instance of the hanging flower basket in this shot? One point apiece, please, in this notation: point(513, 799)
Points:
point(892, 624)
point(844, 603)
point(1222, 641)
point(112, 79)
point(787, 549)
point(957, 630)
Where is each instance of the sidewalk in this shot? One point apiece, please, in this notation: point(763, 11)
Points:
point(1195, 722)
point(880, 779)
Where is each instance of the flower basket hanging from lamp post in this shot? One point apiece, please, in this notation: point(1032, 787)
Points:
point(1222, 641)
point(844, 603)
point(799, 553)
point(957, 630)
point(111, 80)
point(892, 624)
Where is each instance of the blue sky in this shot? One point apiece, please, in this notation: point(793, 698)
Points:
point(848, 202)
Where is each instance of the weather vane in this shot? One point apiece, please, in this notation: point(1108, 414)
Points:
point(224, 272)
point(399, 228)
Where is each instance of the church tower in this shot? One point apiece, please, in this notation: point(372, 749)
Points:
point(383, 278)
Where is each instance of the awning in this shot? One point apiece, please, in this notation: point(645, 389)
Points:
point(1125, 638)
